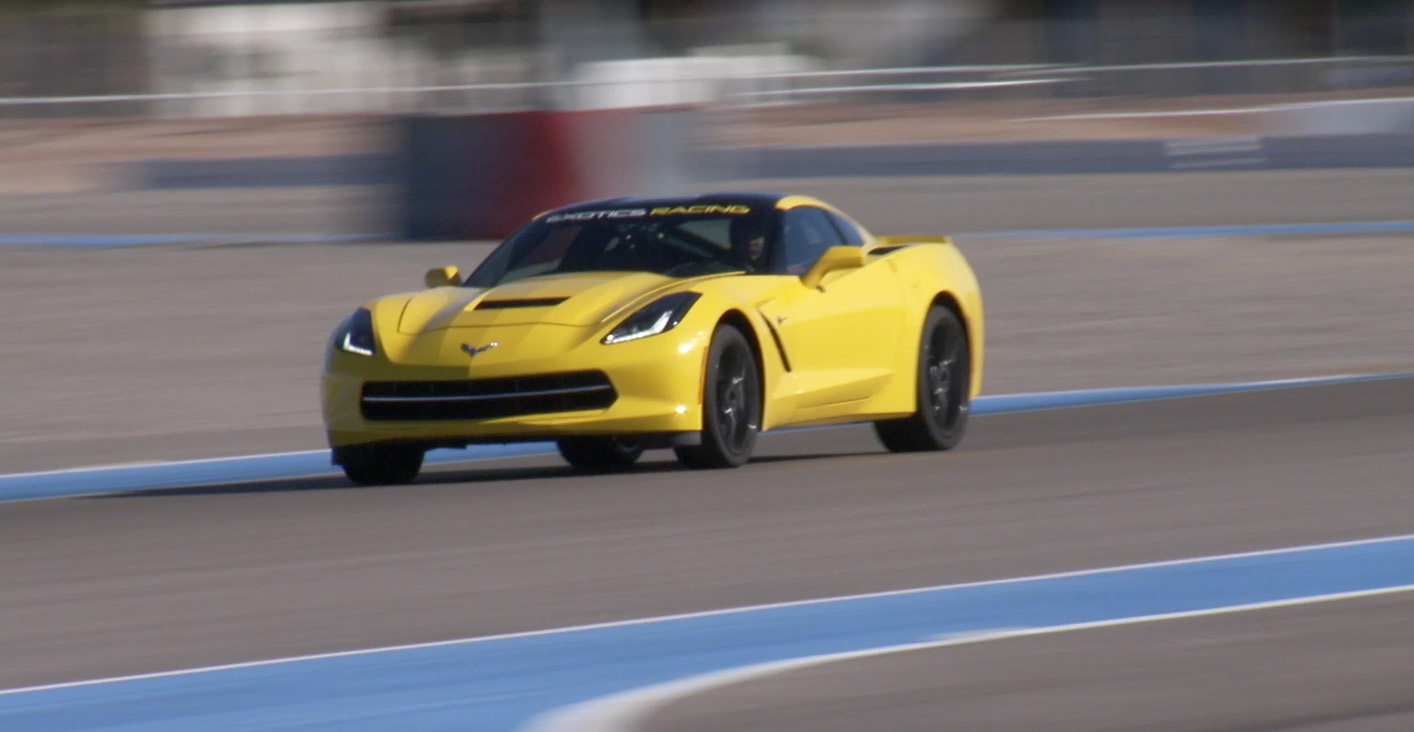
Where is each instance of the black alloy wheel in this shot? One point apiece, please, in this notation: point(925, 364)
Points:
point(731, 404)
point(379, 464)
point(944, 390)
point(600, 454)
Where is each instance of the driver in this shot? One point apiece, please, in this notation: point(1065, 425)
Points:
point(749, 235)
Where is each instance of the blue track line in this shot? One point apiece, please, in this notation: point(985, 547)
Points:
point(96, 241)
point(315, 463)
point(501, 683)
point(1195, 232)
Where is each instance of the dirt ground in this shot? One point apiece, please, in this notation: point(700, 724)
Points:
point(76, 156)
point(45, 157)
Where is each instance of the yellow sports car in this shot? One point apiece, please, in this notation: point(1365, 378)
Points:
point(627, 324)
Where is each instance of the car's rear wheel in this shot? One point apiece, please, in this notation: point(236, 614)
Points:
point(600, 453)
point(943, 391)
point(731, 404)
point(380, 464)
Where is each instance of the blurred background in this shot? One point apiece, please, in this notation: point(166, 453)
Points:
point(390, 118)
point(1269, 143)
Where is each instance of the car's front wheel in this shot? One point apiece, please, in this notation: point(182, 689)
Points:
point(600, 453)
point(731, 404)
point(379, 464)
point(943, 390)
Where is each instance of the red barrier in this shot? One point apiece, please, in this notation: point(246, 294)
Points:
point(481, 176)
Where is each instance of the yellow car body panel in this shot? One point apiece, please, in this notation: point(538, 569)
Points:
point(844, 351)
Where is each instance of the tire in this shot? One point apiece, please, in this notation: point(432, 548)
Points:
point(731, 404)
point(600, 454)
point(943, 391)
point(380, 464)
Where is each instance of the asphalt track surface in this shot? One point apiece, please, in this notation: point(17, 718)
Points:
point(190, 577)
point(186, 577)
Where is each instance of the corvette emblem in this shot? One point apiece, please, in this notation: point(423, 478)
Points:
point(473, 350)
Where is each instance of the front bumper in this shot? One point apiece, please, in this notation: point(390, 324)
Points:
point(655, 382)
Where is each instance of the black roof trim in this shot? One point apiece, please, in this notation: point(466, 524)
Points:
point(754, 199)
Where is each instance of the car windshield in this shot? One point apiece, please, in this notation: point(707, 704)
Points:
point(677, 241)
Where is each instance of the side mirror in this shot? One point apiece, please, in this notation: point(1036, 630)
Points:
point(443, 277)
point(834, 259)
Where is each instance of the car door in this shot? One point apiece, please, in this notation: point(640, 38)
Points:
point(840, 338)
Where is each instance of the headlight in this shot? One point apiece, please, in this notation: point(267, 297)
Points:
point(355, 335)
point(659, 316)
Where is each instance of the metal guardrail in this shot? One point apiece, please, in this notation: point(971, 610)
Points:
point(571, 84)
point(1245, 76)
point(770, 88)
point(1245, 63)
point(1018, 75)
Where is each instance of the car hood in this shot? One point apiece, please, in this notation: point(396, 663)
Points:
point(581, 299)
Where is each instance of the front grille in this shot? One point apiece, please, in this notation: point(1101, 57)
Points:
point(487, 398)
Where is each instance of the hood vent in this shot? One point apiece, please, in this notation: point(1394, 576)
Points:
point(531, 302)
